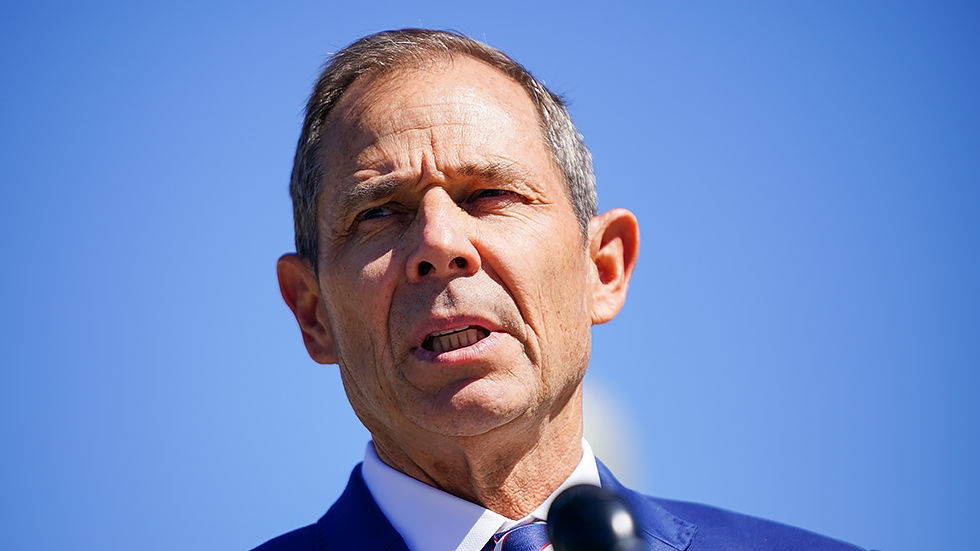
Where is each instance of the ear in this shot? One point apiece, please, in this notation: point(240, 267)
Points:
point(614, 244)
point(302, 293)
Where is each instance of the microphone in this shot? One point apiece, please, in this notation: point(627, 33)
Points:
point(590, 518)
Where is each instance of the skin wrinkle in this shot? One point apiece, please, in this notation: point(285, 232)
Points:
point(371, 190)
point(374, 87)
point(388, 186)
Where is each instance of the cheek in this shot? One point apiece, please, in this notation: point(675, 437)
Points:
point(358, 297)
point(358, 277)
point(376, 271)
point(546, 272)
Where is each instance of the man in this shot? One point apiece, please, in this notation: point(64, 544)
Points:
point(451, 261)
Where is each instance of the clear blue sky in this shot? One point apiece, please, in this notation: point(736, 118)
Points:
point(802, 337)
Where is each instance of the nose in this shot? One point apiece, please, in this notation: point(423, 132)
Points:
point(444, 248)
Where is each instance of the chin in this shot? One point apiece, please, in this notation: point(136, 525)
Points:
point(473, 411)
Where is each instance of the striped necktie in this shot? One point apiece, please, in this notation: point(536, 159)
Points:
point(527, 537)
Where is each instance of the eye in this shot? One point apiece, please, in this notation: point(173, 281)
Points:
point(375, 213)
point(493, 200)
point(485, 193)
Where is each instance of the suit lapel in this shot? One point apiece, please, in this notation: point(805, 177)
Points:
point(356, 522)
point(662, 530)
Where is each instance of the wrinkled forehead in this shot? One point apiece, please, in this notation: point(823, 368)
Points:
point(395, 89)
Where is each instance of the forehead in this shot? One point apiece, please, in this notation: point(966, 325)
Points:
point(410, 103)
point(434, 83)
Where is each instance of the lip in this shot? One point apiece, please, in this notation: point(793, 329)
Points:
point(473, 352)
point(447, 324)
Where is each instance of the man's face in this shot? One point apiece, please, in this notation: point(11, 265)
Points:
point(454, 278)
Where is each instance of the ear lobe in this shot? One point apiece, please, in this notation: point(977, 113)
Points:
point(302, 294)
point(614, 245)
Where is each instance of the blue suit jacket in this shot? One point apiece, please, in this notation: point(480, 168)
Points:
point(355, 523)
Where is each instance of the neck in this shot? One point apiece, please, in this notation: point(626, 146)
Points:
point(510, 470)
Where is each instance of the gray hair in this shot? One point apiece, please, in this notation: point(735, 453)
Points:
point(386, 51)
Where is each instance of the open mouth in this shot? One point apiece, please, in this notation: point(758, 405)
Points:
point(445, 341)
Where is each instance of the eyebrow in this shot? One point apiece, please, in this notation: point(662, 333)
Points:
point(495, 172)
point(366, 193)
point(373, 191)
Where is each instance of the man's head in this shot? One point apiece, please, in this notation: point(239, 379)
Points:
point(453, 279)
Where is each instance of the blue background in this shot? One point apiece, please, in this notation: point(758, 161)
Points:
point(802, 337)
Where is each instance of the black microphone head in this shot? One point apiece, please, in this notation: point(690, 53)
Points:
point(590, 518)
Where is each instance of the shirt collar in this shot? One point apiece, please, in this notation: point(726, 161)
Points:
point(432, 520)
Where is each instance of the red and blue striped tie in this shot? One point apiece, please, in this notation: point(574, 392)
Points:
point(527, 537)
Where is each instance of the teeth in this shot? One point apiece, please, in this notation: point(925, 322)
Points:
point(444, 341)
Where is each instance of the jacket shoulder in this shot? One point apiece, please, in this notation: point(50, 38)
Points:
point(722, 529)
point(302, 539)
point(354, 521)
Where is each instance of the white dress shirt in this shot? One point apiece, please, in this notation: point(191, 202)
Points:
point(432, 520)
